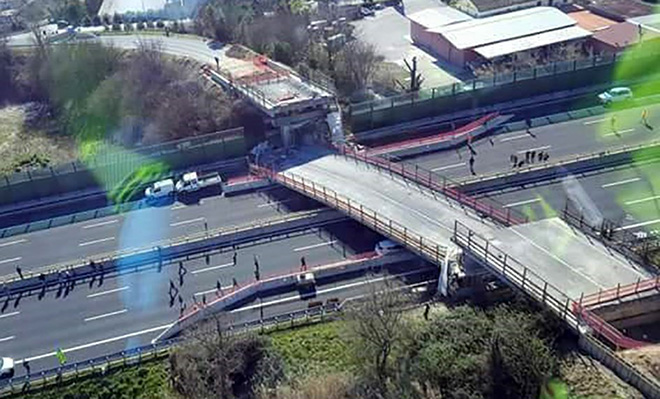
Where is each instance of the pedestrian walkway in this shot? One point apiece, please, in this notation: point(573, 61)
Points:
point(565, 258)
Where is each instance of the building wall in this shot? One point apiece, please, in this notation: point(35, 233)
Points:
point(436, 44)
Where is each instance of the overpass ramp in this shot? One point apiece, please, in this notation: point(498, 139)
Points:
point(565, 258)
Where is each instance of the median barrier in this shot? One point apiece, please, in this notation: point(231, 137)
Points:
point(159, 252)
point(228, 301)
point(567, 166)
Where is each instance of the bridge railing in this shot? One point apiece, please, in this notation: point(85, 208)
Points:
point(515, 273)
point(620, 292)
point(441, 184)
point(368, 217)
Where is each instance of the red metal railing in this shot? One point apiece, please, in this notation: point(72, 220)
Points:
point(620, 292)
point(443, 185)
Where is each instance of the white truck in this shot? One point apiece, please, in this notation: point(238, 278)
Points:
point(189, 182)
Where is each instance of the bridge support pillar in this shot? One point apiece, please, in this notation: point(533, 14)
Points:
point(287, 137)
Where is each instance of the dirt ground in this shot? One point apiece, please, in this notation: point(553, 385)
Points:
point(646, 359)
point(588, 379)
point(23, 147)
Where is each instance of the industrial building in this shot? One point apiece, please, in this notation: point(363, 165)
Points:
point(488, 8)
point(460, 39)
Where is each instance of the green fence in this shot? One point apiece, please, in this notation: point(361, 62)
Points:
point(521, 83)
point(111, 167)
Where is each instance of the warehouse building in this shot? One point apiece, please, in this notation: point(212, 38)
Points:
point(461, 41)
point(488, 8)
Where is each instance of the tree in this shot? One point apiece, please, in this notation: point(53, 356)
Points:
point(355, 66)
point(376, 324)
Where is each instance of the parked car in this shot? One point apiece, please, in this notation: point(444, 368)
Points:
point(386, 247)
point(6, 367)
point(367, 12)
point(615, 95)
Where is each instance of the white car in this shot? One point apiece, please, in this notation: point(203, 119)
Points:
point(160, 189)
point(6, 367)
point(615, 95)
point(387, 247)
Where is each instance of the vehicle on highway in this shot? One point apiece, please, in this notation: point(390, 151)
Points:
point(386, 247)
point(615, 95)
point(6, 367)
point(192, 181)
point(160, 189)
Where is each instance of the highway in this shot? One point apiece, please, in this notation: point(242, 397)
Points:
point(628, 195)
point(139, 302)
point(573, 137)
point(142, 228)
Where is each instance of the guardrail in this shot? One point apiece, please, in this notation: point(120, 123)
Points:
point(368, 217)
point(158, 252)
point(443, 185)
point(145, 353)
point(620, 292)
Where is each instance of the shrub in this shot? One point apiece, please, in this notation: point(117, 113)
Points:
point(160, 24)
point(141, 26)
point(116, 27)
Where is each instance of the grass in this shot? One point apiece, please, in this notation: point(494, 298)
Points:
point(149, 381)
point(23, 148)
point(317, 348)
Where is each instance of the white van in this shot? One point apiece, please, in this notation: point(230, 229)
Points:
point(387, 247)
point(6, 367)
point(615, 95)
point(160, 189)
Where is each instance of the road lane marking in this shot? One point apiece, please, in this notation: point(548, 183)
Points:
point(595, 121)
point(6, 244)
point(103, 316)
point(545, 147)
point(641, 224)
point(2, 316)
point(10, 260)
point(208, 269)
point(456, 165)
point(186, 222)
point(7, 338)
point(90, 226)
point(520, 136)
point(618, 183)
point(107, 292)
point(639, 201)
point(274, 203)
point(98, 343)
point(618, 132)
point(323, 244)
point(84, 244)
point(211, 291)
point(531, 201)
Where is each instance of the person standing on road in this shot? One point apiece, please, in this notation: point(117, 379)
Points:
point(613, 123)
point(235, 258)
point(472, 166)
point(19, 271)
point(26, 365)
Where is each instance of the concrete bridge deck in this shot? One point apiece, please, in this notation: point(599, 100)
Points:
point(560, 255)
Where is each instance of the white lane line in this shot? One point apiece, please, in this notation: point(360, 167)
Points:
point(639, 201)
point(7, 338)
point(6, 244)
point(545, 147)
point(456, 165)
point(531, 201)
point(103, 316)
point(641, 224)
point(618, 183)
point(107, 292)
point(520, 136)
point(595, 121)
point(186, 222)
point(323, 244)
point(618, 132)
point(84, 244)
point(208, 269)
point(2, 316)
point(273, 203)
point(90, 226)
point(177, 207)
point(10, 260)
point(211, 291)
point(97, 343)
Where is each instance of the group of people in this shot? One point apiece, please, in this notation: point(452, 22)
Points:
point(531, 156)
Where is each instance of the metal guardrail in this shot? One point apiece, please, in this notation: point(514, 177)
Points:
point(137, 355)
point(443, 185)
point(620, 292)
point(157, 247)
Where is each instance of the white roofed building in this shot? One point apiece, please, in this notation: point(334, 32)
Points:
point(468, 40)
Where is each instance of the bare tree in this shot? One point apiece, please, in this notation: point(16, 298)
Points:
point(355, 66)
point(377, 326)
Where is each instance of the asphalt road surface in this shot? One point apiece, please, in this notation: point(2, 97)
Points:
point(140, 228)
point(628, 195)
point(560, 140)
point(131, 309)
